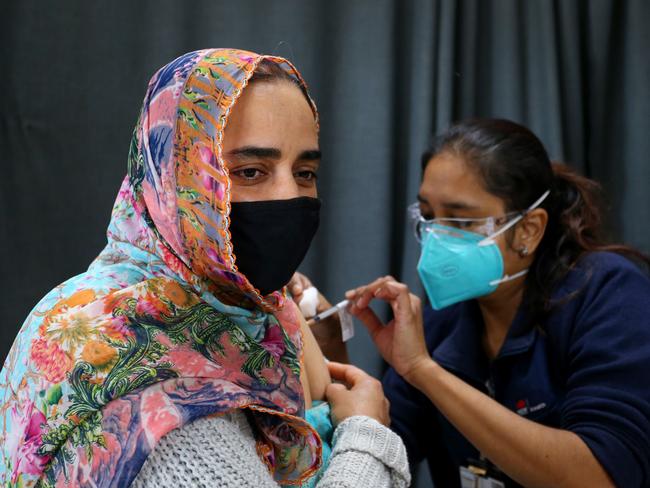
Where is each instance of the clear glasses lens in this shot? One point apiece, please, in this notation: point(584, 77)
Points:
point(485, 226)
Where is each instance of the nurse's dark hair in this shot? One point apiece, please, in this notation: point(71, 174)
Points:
point(514, 166)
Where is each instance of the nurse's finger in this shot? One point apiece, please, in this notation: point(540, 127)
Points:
point(368, 318)
point(355, 292)
point(347, 373)
point(298, 283)
point(391, 290)
point(399, 297)
point(363, 298)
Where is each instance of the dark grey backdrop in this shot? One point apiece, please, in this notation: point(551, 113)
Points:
point(385, 74)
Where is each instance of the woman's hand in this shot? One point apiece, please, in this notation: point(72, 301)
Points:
point(400, 341)
point(358, 393)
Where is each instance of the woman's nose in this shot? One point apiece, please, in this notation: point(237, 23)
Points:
point(284, 186)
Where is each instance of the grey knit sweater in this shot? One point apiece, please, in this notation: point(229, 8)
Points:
point(220, 452)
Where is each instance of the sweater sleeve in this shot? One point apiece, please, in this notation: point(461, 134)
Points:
point(366, 453)
point(220, 451)
point(211, 451)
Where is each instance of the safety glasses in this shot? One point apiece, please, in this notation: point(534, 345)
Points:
point(483, 226)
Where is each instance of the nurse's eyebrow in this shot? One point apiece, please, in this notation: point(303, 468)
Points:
point(459, 206)
point(451, 205)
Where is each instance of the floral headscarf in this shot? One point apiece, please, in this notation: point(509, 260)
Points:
point(162, 329)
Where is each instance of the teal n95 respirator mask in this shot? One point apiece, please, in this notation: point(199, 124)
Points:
point(458, 264)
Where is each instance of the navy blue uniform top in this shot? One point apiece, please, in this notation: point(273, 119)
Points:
point(586, 370)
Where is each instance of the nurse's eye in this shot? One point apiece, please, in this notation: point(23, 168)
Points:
point(458, 223)
point(248, 173)
point(465, 224)
point(426, 215)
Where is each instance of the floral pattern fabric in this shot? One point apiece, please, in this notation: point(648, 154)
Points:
point(162, 329)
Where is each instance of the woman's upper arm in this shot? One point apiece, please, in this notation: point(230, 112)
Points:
point(314, 362)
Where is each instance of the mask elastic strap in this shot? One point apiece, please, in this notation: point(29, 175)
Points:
point(490, 239)
point(509, 277)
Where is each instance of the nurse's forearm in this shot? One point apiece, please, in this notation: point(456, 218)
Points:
point(530, 453)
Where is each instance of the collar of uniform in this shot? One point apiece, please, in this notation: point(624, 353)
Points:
point(462, 351)
point(521, 335)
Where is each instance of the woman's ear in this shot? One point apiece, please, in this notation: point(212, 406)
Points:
point(530, 231)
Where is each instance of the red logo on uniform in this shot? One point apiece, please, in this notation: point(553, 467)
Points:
point(521, 407)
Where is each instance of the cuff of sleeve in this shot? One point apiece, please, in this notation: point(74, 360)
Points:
point(364, 434)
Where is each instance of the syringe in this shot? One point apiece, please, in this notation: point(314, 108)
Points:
point(330, 311)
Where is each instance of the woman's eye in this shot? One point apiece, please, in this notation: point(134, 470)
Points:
point(248, 173)
point(307, 175)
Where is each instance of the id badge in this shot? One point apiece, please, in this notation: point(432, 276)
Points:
point(473, 477)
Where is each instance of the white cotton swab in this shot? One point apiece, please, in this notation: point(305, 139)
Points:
point(309, 302)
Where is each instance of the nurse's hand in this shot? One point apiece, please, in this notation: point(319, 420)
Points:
point(356, 393)
point(298, 284)
point(327, 331)
point(400, 341)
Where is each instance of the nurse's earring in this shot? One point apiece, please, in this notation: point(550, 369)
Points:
point(523, 250)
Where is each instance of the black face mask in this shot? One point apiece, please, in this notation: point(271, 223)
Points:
point(270, 238)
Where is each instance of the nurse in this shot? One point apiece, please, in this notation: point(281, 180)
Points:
point(530, 364)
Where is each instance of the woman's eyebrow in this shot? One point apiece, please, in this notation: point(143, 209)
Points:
point(256, 152)
point(310, 155)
